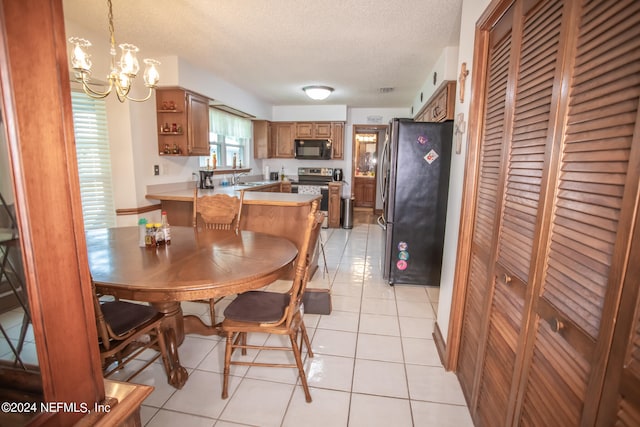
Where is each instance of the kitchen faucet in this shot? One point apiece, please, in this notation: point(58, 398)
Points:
point(236, 177)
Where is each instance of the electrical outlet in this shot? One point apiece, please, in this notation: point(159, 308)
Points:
point(156, 169)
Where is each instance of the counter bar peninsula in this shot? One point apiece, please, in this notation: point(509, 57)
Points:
point(264, 210)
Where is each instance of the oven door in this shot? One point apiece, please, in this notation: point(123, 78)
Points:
point(312, 189)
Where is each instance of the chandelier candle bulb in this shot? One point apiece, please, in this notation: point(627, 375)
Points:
point(122, 72)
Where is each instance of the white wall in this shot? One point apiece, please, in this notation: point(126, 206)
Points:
point(317, 113)
point(445, 68)
point(471, 11)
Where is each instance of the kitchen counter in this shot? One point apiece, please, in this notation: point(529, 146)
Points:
point(254, 194)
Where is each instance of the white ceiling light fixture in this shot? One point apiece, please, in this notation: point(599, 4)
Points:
point(122, 72)
point(317, 92)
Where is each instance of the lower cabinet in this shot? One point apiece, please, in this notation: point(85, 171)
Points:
point(364, 192)
point(335, 200)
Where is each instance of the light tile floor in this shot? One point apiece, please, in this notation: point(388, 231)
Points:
point(375, 360)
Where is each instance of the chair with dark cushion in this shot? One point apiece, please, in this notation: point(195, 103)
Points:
point(125, 330)
point(273, 313)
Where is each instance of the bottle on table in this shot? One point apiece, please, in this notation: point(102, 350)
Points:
point(166, 228)
point(150, 236)
point(159, 234)
point(142, 232)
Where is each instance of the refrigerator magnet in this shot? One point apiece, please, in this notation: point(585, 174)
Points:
point(401, 265)
point(431, 156)
point(402, 246)
point(422, 140)
point(403, 255)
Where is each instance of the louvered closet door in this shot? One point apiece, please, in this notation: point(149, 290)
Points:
point(525, 161)
point(487, 198)
point(585, 225)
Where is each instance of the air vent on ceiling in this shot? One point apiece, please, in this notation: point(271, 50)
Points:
point(385, 89)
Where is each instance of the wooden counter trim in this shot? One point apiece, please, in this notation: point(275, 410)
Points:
point(250, 198)
point(138, 210)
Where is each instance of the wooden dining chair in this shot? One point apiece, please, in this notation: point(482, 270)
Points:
point(273, 313)
point(216, 212)
point(125, 330)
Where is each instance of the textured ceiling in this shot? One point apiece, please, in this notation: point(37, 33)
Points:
point(272, 48)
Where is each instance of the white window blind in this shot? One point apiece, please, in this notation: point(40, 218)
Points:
point(94, 160)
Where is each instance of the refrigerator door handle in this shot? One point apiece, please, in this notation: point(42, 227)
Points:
point(384, 180)
point(384, 168)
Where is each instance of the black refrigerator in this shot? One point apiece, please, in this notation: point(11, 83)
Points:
point(414, 178)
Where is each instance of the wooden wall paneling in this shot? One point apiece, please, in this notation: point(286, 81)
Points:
point(37, 106)
point(589, 233)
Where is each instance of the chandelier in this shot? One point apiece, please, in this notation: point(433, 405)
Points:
point(122, 72)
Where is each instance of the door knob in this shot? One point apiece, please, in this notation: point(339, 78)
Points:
point(556, 324)
point(506, 278)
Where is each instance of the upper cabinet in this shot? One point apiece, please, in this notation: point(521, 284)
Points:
point(276, 139)
point(182, 122)
point(441, 106)
point(337, 135)
point(313, 130)
point(282, 138)
point(262, 146)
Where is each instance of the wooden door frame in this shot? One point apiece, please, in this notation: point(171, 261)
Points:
point(38, 126)
point(359, 129)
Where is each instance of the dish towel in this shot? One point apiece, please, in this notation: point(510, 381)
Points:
point(309, 189)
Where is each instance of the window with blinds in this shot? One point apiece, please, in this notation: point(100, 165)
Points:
point(94, 160)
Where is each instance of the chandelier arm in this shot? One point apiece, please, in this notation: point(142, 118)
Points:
point(141, 99)
point(94, 93)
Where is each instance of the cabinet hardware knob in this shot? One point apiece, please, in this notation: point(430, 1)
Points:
point(556, 324)
point(506, 278)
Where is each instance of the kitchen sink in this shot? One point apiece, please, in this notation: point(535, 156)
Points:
point(249, 184)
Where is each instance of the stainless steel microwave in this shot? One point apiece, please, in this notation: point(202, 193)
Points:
point(313, 149)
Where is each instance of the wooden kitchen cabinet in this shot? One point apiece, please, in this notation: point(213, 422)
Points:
point(282, 136)
point(364, 192)
point(312, 130)
point(337, 137)
point(335, 200)
point(182, 122)
point(262, 143)
point(441, 106)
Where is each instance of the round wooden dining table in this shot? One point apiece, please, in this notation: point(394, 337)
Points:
point(199, 264)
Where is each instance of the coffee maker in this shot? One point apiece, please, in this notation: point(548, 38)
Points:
point(337, 174)
point(206, 179)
